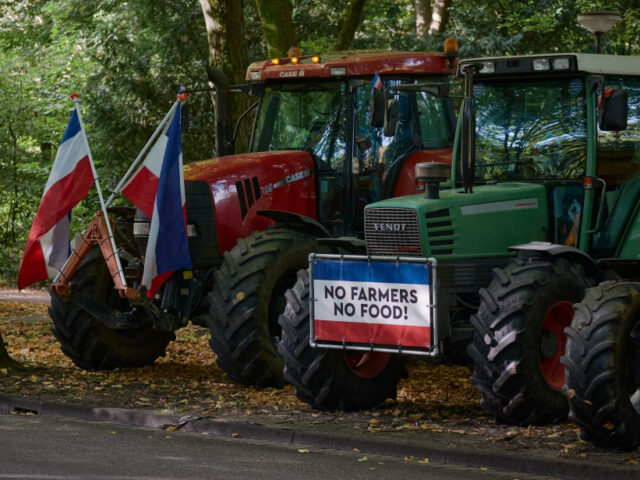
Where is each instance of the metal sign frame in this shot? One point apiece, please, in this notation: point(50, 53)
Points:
point(431, 263)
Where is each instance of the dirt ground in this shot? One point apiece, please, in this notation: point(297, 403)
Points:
point(434, 398)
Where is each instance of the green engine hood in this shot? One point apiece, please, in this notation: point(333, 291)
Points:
point(484, 223)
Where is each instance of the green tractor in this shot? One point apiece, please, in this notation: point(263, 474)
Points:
point(542, 203)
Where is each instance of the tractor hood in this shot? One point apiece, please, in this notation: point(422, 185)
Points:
point(241, 185)
point(486, 222)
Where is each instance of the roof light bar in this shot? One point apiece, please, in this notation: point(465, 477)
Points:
point(541, 64)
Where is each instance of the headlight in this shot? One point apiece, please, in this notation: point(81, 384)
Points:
point(541, 64)
point(141, 229)
point(560, 63)
point(487, 67)
point(192, 231)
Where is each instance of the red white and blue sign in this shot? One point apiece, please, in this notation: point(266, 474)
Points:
point(386, 304)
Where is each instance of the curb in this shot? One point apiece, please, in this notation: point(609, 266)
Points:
point(384, 444)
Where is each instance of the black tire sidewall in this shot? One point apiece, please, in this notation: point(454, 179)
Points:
point(87, 341)
point(515, 304)
point(243, 316)
point(321, 377)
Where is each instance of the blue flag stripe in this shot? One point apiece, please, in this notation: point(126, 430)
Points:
point(73, 127)
point(387, 272)
point(172, 249)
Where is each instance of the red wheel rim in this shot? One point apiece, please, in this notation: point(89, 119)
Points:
point(368, 364)
point(553, 341)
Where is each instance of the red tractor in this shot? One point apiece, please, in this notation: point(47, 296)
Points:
point(319, 152)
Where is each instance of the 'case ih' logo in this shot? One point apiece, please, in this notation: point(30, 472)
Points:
point(389, 227)
point(248, 194)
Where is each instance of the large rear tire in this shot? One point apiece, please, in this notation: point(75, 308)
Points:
point(332, 379)
point(246, 300)
point(602, 363)
point(87, 341)
point(518, 338)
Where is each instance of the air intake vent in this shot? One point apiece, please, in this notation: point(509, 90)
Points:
point(248, 194)
point(392, 232)
point(440, 231)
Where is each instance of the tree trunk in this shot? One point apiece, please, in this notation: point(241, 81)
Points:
point(225, 33)
point(423, 15)
point(224, 22)
point(279, 31)
point(439, 16)
point(351, 22)
point(5, 359)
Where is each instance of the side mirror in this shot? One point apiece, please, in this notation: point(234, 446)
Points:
point(614, 110)
point(364, 143)
point(355, 166)
point(376, 108)
point(391, 118)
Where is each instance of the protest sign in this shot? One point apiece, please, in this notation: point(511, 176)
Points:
point(372, 303)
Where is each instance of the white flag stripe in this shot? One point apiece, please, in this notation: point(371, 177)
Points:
point(69, 154)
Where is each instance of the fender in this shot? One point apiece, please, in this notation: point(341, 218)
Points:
point(295, 221)
point(557, 250)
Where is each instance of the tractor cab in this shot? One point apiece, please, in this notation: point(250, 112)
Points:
point(570, 123)
point(543, 201)
point(355, 161)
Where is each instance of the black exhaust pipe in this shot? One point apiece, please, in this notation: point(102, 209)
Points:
point(224, 128)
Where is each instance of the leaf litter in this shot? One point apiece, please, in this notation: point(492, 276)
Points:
point(435, 398)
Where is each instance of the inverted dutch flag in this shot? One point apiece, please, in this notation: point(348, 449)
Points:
point(376, 82)
point(167, 249)
point(69, 182)
point(141, 188)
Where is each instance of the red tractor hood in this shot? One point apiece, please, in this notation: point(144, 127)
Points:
point(243, 184)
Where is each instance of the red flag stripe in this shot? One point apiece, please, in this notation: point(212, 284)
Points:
point(141, 190)
point(381, 334)
point(61, 198)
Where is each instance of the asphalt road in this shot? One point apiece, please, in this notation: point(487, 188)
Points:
point(47, 447)
point(28, 295)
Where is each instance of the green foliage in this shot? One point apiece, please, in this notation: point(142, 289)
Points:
point(498, 27)
point(127, 60)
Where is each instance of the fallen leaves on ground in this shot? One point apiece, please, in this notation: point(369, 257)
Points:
point(435, 398)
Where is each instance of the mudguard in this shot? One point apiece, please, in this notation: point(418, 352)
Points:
point(557, 250)
point(295, 221)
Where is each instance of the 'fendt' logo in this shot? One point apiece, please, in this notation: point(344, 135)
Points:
point(389, 227)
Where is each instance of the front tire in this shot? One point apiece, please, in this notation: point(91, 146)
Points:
point(518, 338)
point(332, 379)
point(246, 299)
point(602, 363)
point(87, 341)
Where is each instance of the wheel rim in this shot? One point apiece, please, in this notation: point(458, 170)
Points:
point(553, 341)
point(368, 364)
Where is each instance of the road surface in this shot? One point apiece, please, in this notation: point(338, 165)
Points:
point(46, 447)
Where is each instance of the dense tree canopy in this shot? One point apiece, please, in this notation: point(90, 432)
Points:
point(128, 59)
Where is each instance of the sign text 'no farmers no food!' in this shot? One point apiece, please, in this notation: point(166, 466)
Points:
point(380, 303)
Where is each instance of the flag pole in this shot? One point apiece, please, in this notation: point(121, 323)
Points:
point(135, 163)
point(74, 96)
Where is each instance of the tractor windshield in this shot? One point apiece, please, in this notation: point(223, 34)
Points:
point(303, 116)
point(530, 130)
